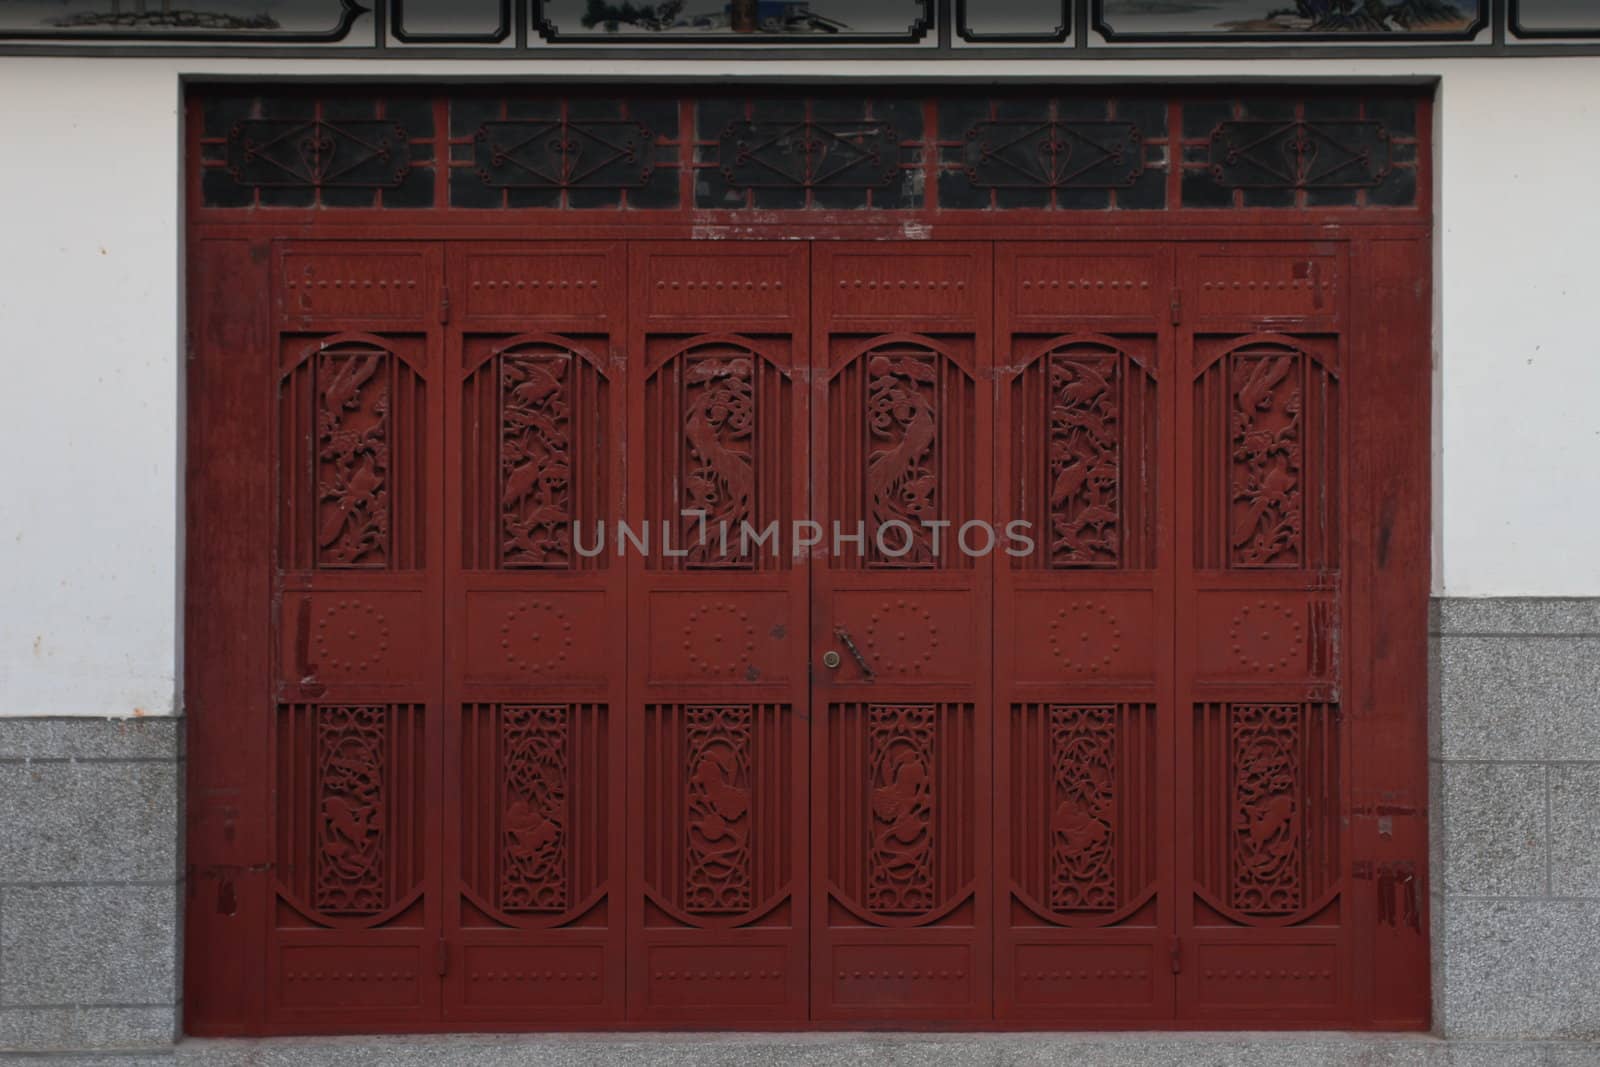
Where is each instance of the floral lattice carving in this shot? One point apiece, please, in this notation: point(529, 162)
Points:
point(1267, 513)
point(536, 460)
point(902, 464)
point(1084, 461)
point(900, 747)
point(534, 759)
point(717, 875)
point(352, 458)
point(350, 810)
point(1083, 761)
point(1266, 807)
point(719, 484)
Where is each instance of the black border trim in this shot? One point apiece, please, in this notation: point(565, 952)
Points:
point(397, 24)
point(1517, 29)
point(1110, 35)
point(1062, 34)
point(914, 34)
point(349, 12)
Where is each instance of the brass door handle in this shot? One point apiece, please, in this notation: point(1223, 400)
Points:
point(855, 653)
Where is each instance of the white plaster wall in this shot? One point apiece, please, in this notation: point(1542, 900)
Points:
point(90, 292)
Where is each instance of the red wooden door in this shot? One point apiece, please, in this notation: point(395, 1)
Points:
point(533, 758)
point(718, 773)
point(1083, 633)
point(355, 914)
point(902, 446)
point(1262, 749)
point(884, 633)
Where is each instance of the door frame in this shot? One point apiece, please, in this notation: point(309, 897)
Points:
point(229, 282)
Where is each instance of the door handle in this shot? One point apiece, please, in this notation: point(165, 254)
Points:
point(855, 653)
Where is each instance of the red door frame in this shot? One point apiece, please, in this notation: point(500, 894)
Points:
point(233, 273)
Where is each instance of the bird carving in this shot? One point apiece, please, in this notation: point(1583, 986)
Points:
point(1269, 826)
point(531, 831)
point(901, 803)
point(348, 826)
point(725, 494)
point(1089, 386)
point(1078, 827)
point(344, 390)
point(1265, 374)
point(891, 468)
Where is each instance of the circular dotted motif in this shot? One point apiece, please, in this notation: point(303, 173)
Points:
point(1261, 641)
point(719, 639)
point(1085, 636)
point(352, 636)
point(901, 636)
point(546, 633)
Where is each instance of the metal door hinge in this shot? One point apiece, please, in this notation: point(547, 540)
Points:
point(1177, 955)
point(444, 957)
point(444, 304)
point(1177, 306)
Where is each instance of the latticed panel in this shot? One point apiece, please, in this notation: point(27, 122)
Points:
point(352, 432)
point(564, 152)
point(1083, 807)
point(903, 429)
point(1083, 459)
point(1267, 457)
point(719, 787)
point(841, 151)
point(535, 817)
point(351, 806)
point(785, 153)
point(902, 839)
point(1339, 150)
point(1267, 805)
point(720, 422)
point(1092, 153)
point(536, 475)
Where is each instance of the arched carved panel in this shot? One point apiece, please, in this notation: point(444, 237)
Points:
point(1083, 445)
point(535, 478)
point(350, 807)
point(1267, 455)
point(903, 428)
point(352, 424)
point(535, 810)
point(719, 417)
point(1267, 810)
point(1083, 804)
point(901, 844)
point(719, 821)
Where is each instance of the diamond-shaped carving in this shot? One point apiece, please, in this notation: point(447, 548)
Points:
point(301, 153)
point(564, 154)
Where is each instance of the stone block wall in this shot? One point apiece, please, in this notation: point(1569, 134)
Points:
point(1516, 818)
point(89, 883)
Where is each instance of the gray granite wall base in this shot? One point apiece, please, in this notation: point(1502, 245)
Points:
point(90, 893)
point(89, 869)
point(1516, 826)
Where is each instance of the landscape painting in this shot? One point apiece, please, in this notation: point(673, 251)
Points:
point(277, 20)
point(815, 21)
point(1223, 20)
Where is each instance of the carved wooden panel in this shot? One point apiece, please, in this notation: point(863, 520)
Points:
point(350, 835)
point(536, 475)
point(1084, 453)
point(1267, 423)
point(720, 413)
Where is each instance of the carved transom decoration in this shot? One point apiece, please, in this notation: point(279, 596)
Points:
point(1053, 154)
point(565, 154)
point(1300, 154)
point(354, 154)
